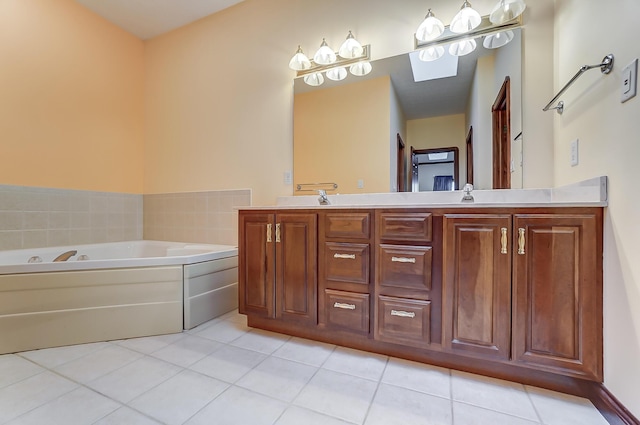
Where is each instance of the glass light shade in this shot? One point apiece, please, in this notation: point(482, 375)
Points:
point(465, 20)
point(361, 68)
point(314, 79)
point(299, 61)
point(431, 53)
point(494, 41)
point(351, 48)
point(324, 55)
point(506, 10)
point(462, 48)
point(430, 29)
point(337, 74)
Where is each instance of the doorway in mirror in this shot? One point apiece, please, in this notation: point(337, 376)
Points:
point(434, 169)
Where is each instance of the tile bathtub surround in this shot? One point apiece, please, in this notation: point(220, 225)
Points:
point(198, 217)
point(226, 373)
point(33, 217)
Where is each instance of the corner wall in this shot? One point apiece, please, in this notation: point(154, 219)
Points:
point(608, 145)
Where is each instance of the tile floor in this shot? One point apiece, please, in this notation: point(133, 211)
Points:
point(224, 373)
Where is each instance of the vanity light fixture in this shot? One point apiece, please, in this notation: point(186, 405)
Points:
point(430, 29)
point(467, 26)
point(351, 55)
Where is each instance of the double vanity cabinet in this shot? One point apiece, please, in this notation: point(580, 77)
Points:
point(514, 293)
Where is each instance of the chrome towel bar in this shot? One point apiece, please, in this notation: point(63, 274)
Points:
point(605, 67)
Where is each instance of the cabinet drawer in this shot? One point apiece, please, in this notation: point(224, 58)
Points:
point(347, 310)
point(346, 262)
point(347, 225)
point(403, 321)
point(405, 226)
point(405, 266)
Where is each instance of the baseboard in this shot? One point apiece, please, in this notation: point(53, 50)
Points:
point(610, 407)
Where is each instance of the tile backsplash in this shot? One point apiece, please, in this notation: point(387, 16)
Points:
point(200, 217)
point(33, 217)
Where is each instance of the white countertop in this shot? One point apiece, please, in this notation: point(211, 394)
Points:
point(587, 193)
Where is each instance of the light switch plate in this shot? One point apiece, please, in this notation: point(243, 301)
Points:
point(287, 177)
point(574, 153)
point(629, 81)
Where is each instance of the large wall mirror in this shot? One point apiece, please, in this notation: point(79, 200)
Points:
point(346, 133)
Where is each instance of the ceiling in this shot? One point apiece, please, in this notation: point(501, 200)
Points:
point(149, 18)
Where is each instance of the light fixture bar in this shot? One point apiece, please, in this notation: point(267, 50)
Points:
point(366, 55)
point(485, 28)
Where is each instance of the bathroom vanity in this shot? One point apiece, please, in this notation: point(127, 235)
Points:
point(508, 286)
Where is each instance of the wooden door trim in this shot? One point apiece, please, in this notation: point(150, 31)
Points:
point(501, 119)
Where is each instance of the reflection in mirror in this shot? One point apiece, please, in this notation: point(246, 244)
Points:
point(434, 169)
point(346, 132)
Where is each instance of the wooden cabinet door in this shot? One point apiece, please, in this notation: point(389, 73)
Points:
point(256, 273)
point(477, 284)
point(296, 267)
point(558, 293)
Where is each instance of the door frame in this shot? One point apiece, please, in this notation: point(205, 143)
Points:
point(501, 128)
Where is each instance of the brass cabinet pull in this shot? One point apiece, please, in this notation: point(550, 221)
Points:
point(278, 233)
point(269, 233)
point(344, 306)
point(401, 313)
point(521, 241)
point(345, 256)
point(503, 240)
point(403, 260)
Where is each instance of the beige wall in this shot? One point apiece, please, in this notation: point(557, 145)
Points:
point(71, 110)
point(608, 133)
point(342, 136)
point(440, 132)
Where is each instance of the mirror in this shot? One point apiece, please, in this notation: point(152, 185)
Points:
point(345, 133)
point(434, 169)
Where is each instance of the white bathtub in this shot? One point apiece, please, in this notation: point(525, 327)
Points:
point(112, 291)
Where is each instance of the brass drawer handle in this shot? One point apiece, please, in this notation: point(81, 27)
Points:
point(521, 240)
point(401, 313)
point(503, 240)
point(403, 260)
point(345, 256)
point(278, 233)
point(269, 233)
point(344, 306)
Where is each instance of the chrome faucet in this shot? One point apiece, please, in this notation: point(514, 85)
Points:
point(65, 256)
point(323, 199)
point(468, 197)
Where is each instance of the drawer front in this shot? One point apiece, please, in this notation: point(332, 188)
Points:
point(346, 262)
point(347, 225)
point(405, 226)
point(347, 310)
point(403, 321)
point(406, 267)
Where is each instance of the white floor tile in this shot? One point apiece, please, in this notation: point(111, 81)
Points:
point(134, 379)
point(224, 331)
point(305, 351)
point(261, 341)
point(399, 406)
point(228, 363)
point(150, 344)
point(562, 409)
point(418, 377)
point(178, 398)
point(79, 407)
point(295, 415)
point(126, 416)
point(53, 357)
point(339, 395)
point(14, 368)
point(186, 351)
point(278, 378)
point(502, 396)
point(30, 393)
point(466, 414)
point(355, 362)
point(97, 363)
point(238, 406)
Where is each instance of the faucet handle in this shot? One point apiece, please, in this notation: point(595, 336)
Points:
point(467, 188)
